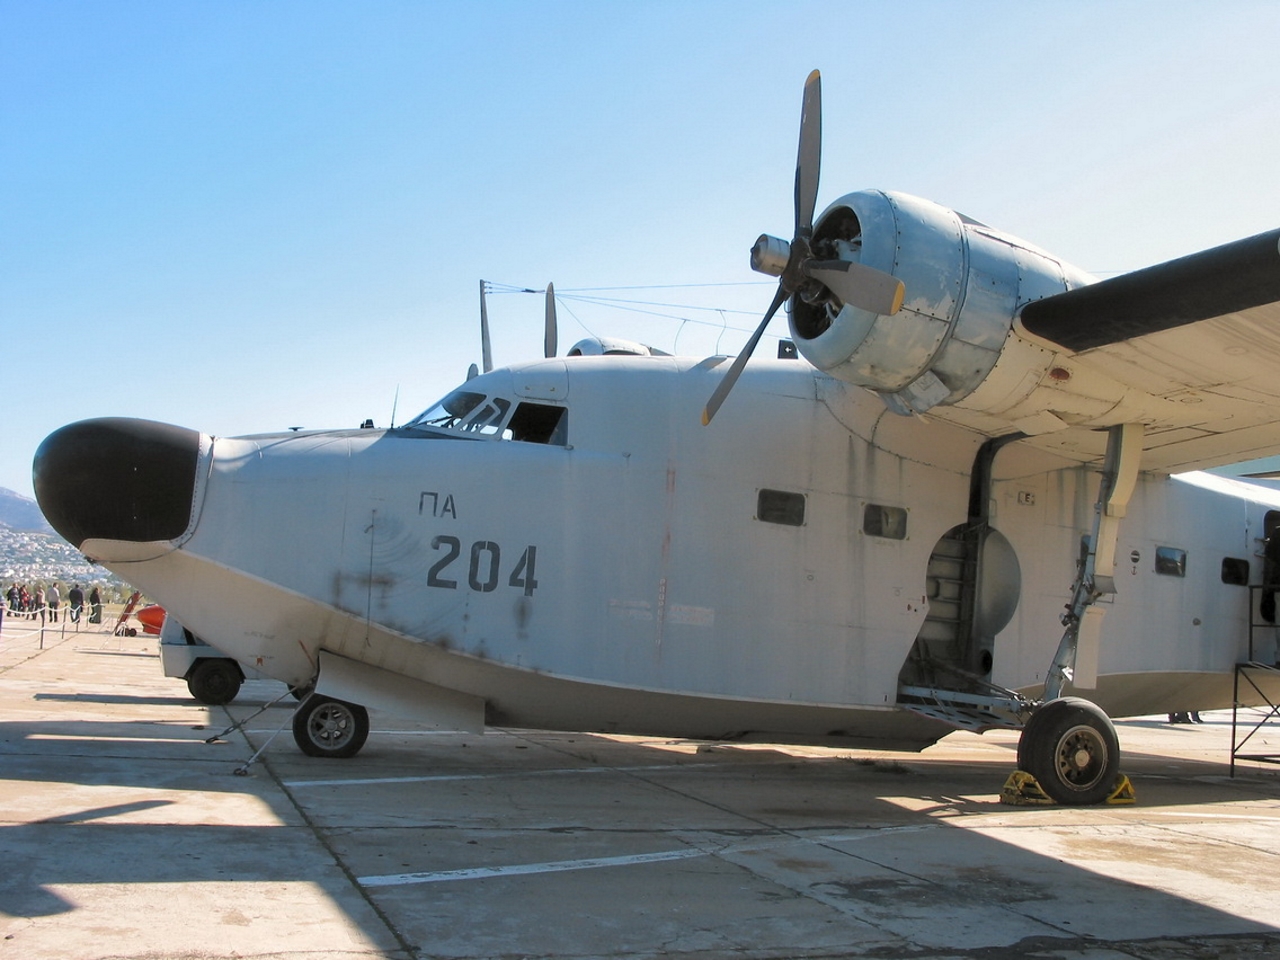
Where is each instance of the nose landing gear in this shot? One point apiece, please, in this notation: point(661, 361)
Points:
point(325, 727)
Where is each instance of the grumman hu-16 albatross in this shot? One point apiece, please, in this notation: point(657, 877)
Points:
point(870, 548)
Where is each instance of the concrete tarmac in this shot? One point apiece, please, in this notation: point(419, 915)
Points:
point(124, 834)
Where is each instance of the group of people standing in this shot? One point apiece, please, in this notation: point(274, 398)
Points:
point(47, 601)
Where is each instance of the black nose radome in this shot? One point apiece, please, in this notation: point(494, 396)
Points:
point(117, 479)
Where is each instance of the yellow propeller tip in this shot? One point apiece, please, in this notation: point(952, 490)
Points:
point(706, 417)
point(898, 296)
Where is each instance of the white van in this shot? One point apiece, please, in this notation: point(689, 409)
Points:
point(212, 676)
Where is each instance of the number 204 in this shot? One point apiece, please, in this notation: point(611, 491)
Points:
point(484, 568)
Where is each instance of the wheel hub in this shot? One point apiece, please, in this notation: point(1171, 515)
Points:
point(330, 725)
point(1082, 756)
point(330, 728)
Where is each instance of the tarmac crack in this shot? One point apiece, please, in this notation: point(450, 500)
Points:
point(409, 951)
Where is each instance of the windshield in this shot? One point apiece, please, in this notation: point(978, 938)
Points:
point(469, 413)
point(465, 411)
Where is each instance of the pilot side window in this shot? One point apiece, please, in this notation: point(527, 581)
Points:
point(539, 423)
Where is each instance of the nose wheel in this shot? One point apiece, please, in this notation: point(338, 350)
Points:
point(325, 727)
point(1070, 746)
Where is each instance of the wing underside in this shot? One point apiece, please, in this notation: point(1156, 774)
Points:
point(1197, 343)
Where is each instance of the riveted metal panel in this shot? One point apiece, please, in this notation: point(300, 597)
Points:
point(931, 256)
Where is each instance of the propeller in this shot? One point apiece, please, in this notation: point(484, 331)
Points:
point(856, 283)
point(853, 283)
point(486, 347)
point(549, 336)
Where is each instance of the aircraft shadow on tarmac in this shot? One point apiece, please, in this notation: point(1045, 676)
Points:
point(119, 698)
point(879, 842)
point(120, 653)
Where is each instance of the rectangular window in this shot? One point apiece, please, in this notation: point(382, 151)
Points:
point(1235, 571)
point(539, 423)
point(1171, 561)
point(778, 506)
point(887, 522)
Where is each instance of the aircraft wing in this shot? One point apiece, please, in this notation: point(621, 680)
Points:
point(1200, 335)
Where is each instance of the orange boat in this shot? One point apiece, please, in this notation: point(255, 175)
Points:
point(152, 618)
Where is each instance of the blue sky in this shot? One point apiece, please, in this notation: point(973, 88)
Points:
point(241, 217)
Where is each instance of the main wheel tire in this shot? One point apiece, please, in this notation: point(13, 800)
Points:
point(325, 727)
point(214, 681)
point(1070, 746)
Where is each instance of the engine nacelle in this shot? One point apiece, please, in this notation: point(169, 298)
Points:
point(965, 283)
point(613, 347)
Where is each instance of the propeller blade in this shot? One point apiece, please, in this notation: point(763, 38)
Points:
point(730, 378)
point(549, 340)
point(809, 155)
point(859, 285)
point(486, 349)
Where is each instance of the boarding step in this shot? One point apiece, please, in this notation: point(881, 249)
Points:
point(1257, 665)
point(967, 711)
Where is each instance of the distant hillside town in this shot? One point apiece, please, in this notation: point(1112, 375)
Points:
point(33, 555)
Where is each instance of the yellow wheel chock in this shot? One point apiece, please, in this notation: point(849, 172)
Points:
point(1022, 790)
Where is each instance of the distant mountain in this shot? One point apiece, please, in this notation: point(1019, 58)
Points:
point(21, 513)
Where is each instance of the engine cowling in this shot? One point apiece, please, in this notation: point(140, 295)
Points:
point(965, 283)
point(613, 347)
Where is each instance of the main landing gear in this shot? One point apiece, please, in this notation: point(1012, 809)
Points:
point(1069, 745)
point(1071, 749)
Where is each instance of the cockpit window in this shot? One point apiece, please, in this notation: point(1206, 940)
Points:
point(450, 411)
point(473, 414)
point(540, 423)
point(487, 420)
